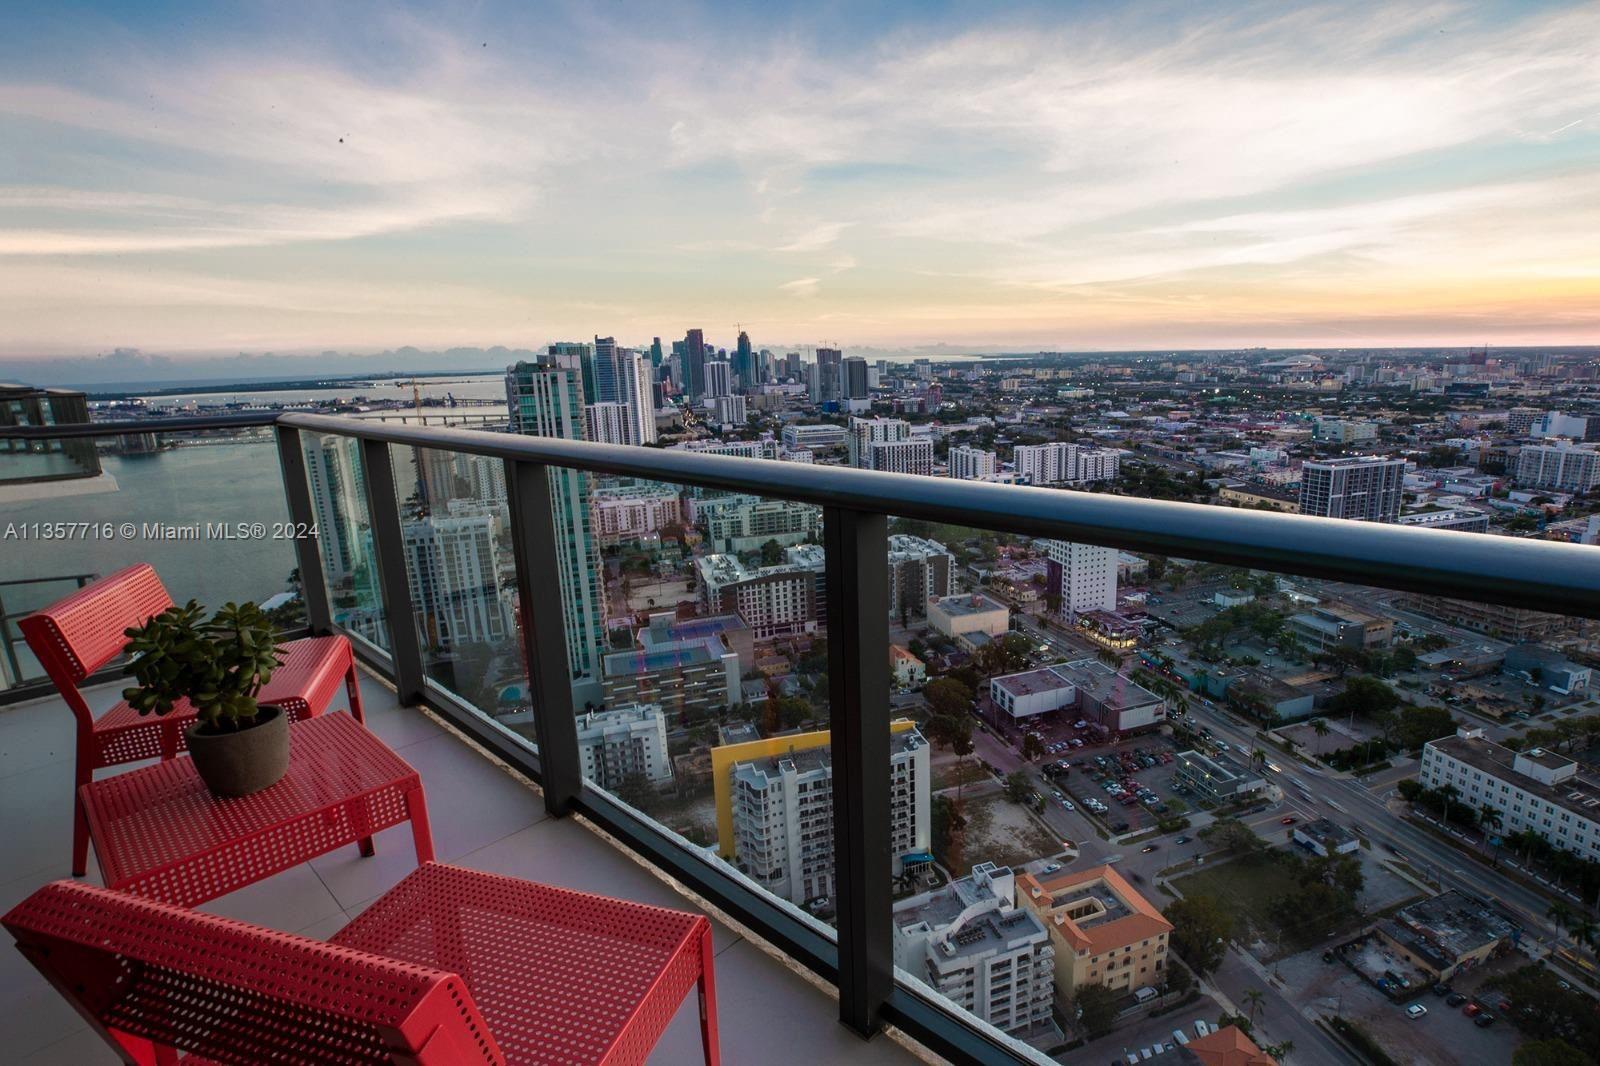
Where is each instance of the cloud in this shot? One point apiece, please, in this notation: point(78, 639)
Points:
point(817, 237)
point(805, 288)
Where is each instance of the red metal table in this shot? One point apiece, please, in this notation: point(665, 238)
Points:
point(158, 832)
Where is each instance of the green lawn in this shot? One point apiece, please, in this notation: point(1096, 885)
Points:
point(1245, 886)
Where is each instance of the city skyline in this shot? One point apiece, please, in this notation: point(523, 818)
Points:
point(1015, 180)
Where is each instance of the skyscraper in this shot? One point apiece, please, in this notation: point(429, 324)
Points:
point(853, 384)
point(826, 386)
point(1365, 488)
point(338, 500)
point(545, 400)
point(718, 379)
point(577, 356)
point(694, 362)
point(607, 423)
point(450, 566)
point(655, 352)
point(603, 389)
point(744, 363)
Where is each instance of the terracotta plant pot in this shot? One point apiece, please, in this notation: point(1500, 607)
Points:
point(237, 764)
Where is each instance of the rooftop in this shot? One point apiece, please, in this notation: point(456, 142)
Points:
point(1449, 926)
point(1096, 909)
point(482, 817)
point(1579, 794)
point(968, 603)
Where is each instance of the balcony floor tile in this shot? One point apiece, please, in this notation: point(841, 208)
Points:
point(481, 816)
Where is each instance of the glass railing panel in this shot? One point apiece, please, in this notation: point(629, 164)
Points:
point(336, 479)
point(206, 509)
point(708, 709)
point(455, 528)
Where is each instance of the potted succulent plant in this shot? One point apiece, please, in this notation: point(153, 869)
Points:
point(218, 665)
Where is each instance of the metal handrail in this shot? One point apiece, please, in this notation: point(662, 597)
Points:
point(176, 424)
point(1538, 574)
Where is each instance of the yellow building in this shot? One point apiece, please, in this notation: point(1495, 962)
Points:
point(1103, 931)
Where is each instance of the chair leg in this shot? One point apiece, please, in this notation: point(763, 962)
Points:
point(80, 826)
point(708, 1002)
point(352, 685)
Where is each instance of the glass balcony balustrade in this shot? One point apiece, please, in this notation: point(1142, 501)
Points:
point(685, 663)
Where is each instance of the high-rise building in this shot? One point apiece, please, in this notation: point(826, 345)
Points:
point(1083, 575)
point(694, 361)
point(604, 387)
point(338, 500)
point(455, 588)
point(791, 366)
point(718, 378)
point(607, 423)
point(624, 742)
point(1364, 488)
point(635, 389)
point(854, 376)
point(914, 456)
point(865, 431)
point(919, 570)
point(1046, 464)
point(1560, 467)
point(813, 438)
point(826, 386)
point(744, 362)
point(579, 358)
point(728, 410)
point(775, 809)
point(773, 601)
point(545, 400)
point(973, 464)
point(971, 942)
point(655, 352)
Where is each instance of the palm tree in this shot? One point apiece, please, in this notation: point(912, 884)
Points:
point(1448, 794)
point(1319, 727)
point(1560, 914)
point(1283, 1050)
point(1258, 757)
point(1253, 999)
point(1583, 929)
point(1490, 819)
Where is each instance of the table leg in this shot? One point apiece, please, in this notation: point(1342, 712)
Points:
point(357, 811)
point(708, 1002)
point(352, 688)
point(421, 832)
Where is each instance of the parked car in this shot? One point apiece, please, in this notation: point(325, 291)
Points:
point(1416, 1010)
point(1051, 867)
point(1455, 999)
point(1181, 840)
point(1483, 1021)
point(1067, 804)
point(1147, 849)
point(1442, 989)
point(1472, 1010)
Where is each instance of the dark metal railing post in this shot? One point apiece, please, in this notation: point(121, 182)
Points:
point(307, 551)
point(544, 633)
point(857, 587)
point(383, 510)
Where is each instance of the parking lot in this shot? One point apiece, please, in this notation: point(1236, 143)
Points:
point(1154, 1035)
point(1126, 786)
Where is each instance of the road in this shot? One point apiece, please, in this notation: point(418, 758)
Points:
point(1351, 802)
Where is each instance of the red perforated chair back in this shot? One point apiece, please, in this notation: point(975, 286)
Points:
point(149, 975)
point(77, 635)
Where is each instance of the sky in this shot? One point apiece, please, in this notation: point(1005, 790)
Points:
point(205, 178)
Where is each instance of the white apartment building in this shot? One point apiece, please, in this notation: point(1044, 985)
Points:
point(338, 496)
point(1059, 463)
point(1339, 431)
point(1561, 467)
point(455, 588)
point(1534, 790)
point(624, 742)
point(630, 512)
point(719, 378)
point(1365, 488)
point(900, 456)
point(1046, 464)
point(773, 601)
point(971, 942)
point(743, 523)
point(782, 814)
point(608, 423)
point(765, 448)
point(973, 464)
point(919, 570)
point(727, 410)
point(867, 431)
point(1085, 576)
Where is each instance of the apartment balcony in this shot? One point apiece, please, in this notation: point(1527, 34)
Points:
point(506, 790)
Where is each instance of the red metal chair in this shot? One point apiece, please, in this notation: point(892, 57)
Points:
point(449, 967)
point(77, 635)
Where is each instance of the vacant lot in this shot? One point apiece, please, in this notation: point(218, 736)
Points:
point(1245, 886)
point(999, 831)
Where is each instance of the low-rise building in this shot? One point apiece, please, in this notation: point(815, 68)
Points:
point(1219, 778)
point(967, 613)
point(1325, 837)
point(773, 601)
point(1536, 790)
point(1338, 625)
point(1459, 519)
point(1088, 687)
point(1446, 934)
point(1227, 1046)
point(907, 670)
point(919, 570)
point(971, 942)
point(1103, 931)
point(1548, 668)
